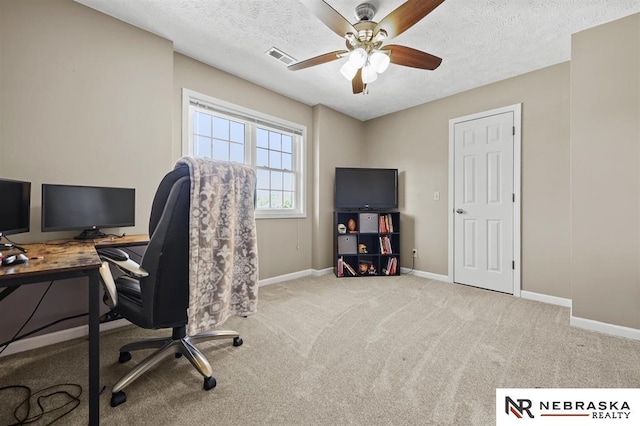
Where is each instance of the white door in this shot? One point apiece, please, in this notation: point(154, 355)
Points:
point(483, 202)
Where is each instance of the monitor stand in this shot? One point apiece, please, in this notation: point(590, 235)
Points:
point(90, 234)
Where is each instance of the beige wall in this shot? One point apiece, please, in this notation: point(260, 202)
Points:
point(338, 141)
point(85, 99)
point(416, 141)
point(82, 104)
point(284, 245)
point(605, 172)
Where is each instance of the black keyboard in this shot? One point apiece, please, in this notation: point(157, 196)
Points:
point(113, 253)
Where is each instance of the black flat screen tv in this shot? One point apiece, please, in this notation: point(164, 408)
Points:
point(72, 207)
point(15, 206)
point(366, 189)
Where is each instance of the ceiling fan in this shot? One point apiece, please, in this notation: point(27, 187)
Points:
point(367, 54)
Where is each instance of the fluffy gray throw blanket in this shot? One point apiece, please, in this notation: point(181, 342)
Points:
point(223, 268)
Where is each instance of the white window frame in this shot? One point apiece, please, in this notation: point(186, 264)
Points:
point(253, 118)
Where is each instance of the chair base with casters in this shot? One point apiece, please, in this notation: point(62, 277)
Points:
point(178, 344)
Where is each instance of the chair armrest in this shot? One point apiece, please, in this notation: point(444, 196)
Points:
point(110, 291)
point(122, 261)
point(128, 266)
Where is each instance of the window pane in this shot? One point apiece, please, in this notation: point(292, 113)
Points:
point(262, 199)
point(202, 147)
point(287, 143)
point(274, 160)
point(262, 179)
point(276, 180)
point(275, 141)
point(271, 152)
point(236, 152)
point(262, 138)
point(287, 182)
point(262, 159)
point(203, 124)
point(276, 199)
point(286, 162)
point(220, 150)
point(287, 200)
point(237, 132)
point(220, 128)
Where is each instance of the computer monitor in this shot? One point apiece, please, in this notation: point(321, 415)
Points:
point(72, 207)
point(15, 206)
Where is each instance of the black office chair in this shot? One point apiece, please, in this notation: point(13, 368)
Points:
point(155, 294)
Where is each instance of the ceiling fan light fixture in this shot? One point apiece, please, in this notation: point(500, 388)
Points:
point(348, 71)
point(358, 57)
point(369, 75)
point(380, 61)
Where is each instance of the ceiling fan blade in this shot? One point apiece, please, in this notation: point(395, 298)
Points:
point(331, 18)
point(402, 55)
point(405, 16)
point(327, 57)
point(357, 84)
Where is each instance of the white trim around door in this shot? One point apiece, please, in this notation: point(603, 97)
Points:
point(517, 141)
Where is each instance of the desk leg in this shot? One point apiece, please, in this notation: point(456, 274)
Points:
point(94, 348)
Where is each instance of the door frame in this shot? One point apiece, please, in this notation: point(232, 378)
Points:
point(516, 109)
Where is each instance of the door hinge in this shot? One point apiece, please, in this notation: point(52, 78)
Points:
point(513, 197)
point(513, 264)
point(513, 130)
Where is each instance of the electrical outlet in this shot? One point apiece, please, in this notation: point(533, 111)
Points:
point(415, 252)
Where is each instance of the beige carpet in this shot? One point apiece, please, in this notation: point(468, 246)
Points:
point(368, 351)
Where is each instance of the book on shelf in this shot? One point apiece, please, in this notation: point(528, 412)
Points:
point(383, 224)
point(385, 245)
point(386, 224)
point(392, 265)
point(349, 269)
point(340, 267)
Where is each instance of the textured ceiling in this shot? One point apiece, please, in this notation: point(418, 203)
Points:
point(480, 41)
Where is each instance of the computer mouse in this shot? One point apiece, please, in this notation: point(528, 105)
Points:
point(14, 259)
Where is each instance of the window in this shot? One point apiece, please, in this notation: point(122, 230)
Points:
point(273, 147)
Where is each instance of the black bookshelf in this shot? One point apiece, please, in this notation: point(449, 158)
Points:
point(366, 243)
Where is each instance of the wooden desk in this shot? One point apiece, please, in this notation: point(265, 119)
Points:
point(71, 259)
point(126, 241)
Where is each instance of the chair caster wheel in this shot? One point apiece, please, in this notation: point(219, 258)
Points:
point(209, 383)
point(118, 398)
point(237, 341)
point(124, 357)
point(178, 355)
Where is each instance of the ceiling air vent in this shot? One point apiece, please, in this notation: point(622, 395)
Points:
point(278, 54)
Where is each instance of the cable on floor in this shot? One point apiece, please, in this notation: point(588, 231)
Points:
point(60, 399)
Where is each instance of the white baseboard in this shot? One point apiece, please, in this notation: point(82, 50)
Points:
point(553, 300)
point(321, 272)
point(285, 277)
point(603, 327)
point(58, 336)
point(294, 275)
point(423, 274)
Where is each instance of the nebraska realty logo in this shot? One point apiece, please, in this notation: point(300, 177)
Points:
point(567, 406)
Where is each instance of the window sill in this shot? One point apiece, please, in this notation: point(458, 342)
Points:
point(279, 214)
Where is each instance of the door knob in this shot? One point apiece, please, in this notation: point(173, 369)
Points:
point(459, 211)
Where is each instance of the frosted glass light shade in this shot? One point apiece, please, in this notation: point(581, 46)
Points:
point(348, 70)
point(369, 74)
point(380, 61)
point(358, 57)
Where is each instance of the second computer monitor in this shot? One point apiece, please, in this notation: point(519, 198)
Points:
point(88, 208)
